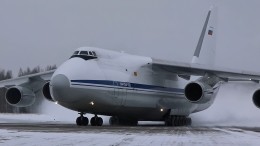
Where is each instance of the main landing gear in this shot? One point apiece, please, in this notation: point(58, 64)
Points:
point(116, 121)
point(94, 121)
point(178, 121)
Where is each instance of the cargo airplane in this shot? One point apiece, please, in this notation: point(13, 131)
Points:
point(130, 88)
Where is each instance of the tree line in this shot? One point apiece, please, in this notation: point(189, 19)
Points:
point(4, 75)
point(37, 69)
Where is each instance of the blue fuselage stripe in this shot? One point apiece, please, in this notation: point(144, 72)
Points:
point(125, 85)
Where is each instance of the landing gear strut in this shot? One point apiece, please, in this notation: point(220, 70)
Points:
point(81, 120)
point(178, 121)
point(96, 121)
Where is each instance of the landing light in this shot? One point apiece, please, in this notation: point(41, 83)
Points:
point(56, 102)
point(161, 109)
point(92, 103)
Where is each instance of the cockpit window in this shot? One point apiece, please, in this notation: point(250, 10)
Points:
point(84, 53)
point(87, 55)
point(94, 53)
point(76, 53)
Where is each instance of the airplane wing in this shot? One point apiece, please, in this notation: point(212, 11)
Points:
point(188, 69)
point(33, 81)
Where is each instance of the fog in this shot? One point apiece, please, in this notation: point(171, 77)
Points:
point(233, 107)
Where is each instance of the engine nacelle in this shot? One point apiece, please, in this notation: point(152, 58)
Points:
point(198, 92)
point(19, 96)
point(256, 98)
point(46, 92)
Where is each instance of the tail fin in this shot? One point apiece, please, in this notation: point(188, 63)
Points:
point(205, 50)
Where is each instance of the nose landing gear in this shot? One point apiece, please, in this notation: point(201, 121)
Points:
point(81, 120)
point(96, 121)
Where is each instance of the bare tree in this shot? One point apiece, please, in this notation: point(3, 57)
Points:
point(5, 75)
point(51, 67)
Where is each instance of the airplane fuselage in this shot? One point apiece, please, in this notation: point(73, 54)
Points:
point(121, 84)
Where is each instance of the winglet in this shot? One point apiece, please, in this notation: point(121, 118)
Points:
point(205, 50)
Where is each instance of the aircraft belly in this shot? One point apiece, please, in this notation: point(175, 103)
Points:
point(137, 104)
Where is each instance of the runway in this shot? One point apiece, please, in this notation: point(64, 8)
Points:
point(45, 133)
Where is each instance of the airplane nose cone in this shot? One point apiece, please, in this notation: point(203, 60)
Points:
point(59, 88)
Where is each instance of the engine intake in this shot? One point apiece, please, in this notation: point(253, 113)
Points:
point(256, 98)
point(19, 96)
point(46, 92)
point(198, 92)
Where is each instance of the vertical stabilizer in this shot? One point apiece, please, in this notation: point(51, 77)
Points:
point(205, 50)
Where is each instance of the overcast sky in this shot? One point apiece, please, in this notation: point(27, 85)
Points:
point(42, 32)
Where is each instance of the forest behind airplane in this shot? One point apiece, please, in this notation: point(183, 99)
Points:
point(130, 88)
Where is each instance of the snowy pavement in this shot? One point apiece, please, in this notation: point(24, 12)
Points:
point(57, 134)
point(42, 130)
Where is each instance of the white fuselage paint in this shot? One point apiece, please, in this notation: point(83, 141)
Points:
point(123, 84)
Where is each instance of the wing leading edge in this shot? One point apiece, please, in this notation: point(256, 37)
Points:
point(201, 70)
point(34, 80)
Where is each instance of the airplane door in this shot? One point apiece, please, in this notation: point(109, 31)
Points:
point(120, 92)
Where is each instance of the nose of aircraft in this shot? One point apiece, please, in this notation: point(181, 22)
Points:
point(59, 88)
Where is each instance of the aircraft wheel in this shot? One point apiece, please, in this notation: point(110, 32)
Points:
point(96, 121)
point(189, 121)
point(82, 121)
point(182, 121)
point(93, 121)
point(78, 121)
point(113, 121)
point(178, 121)
point(85, 121)
point(99, 121)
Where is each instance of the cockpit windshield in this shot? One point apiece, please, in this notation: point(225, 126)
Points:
point(76, 53)
point(87, 55)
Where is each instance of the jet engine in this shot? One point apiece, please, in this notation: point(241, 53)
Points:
point(46, 92)
point(198, 92)
point(256, 98)
point(19, 96)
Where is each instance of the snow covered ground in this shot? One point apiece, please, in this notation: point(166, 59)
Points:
point(42, 130)
point(179, 136)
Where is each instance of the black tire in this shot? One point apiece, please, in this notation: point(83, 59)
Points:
point(177, 121)
point(84, 121)
point(168, 122)
point(173, 121)
point(78, 121)
point(93, 121)
point(189, 121)
point(113, 121)
point(133, 123)
point(99, 121)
